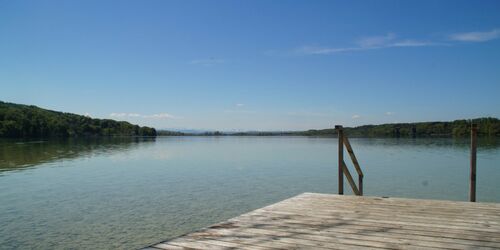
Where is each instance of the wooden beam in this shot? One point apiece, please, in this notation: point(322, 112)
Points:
point(360, 183)
point(341, 157)
point(350, 179)
point(473, 151)
point(353, 156)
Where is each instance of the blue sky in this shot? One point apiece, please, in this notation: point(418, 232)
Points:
point(253, 65)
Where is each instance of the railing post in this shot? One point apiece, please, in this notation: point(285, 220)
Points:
point(473, 151)
point(360, 183)
point(341, 158)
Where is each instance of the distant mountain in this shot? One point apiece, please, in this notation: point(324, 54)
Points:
point(185, 130)
point(17, 121)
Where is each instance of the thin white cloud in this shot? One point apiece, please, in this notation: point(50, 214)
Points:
point(118, 114)
point(414, 43)
point(476, 36)
point(389, 113)
point(240, 104)
point(390, 40)
point(376, 41)
point(356, 116)
point(135, 115)
point(207, 62)
point(87, 114)
point(316, 50)
point(160, 116)
point(368, 43)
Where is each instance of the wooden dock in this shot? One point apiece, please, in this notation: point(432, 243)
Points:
point(325, 221)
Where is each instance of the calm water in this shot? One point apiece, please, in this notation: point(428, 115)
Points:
point(128, 193)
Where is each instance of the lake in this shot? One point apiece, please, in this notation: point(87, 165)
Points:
point(128, 193)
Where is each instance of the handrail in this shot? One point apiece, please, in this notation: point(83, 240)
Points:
point(343, 170)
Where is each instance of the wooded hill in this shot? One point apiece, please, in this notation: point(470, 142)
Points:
point(486, 127)
point(18, 121)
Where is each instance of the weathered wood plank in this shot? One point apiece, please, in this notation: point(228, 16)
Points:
point(427, 212)
point(455, 208)
point(423, 215)
point(289, 220)
point(321, 221)
point(393, 220)
point(332, 241)
point(274, 239)
point(397, 200)
point(333, 230)
point(424, 210)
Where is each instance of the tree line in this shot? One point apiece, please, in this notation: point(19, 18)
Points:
point(18, 121)
point(487, 126)
point(459, 128)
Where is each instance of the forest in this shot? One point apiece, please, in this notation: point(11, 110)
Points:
point(27, 121)
point(487, 126)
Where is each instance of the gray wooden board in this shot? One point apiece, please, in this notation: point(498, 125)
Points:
point(326, 221)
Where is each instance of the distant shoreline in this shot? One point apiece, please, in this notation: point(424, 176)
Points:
point(488, 127)
point(23, 121)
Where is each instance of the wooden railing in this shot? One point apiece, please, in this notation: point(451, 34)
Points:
point(343, 170)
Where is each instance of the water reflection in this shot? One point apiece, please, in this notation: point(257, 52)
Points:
point(22, 154)
point(138, 191)
point(484, 144)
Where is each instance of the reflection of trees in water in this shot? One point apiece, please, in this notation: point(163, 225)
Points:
point(484, 143)
point(15, 154)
